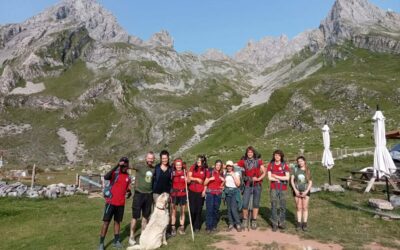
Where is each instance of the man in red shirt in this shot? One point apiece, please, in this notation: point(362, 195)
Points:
point(254, 173)
point(278, 174)
point(115, 205)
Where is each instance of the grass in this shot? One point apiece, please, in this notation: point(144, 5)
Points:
point(71, 83)
point(74, 222)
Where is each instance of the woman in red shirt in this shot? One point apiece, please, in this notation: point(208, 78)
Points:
point(214, 184)
point(197, 175)
point(178, 196)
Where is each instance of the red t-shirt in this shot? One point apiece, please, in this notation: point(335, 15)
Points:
point(178, 183)
point(251, 172)
point(215, 185)
point(200, 173)
point(118, 190)
point(277, 169)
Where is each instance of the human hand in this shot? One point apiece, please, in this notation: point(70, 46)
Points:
point(212, 178)
point(255, 179)
point(200, 181)
point(203, 194)
point(128, 194)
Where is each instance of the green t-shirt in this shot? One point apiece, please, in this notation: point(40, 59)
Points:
point(300, 179)
point(144, 178)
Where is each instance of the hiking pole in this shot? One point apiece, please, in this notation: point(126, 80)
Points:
point(250, 213)
point(187, 200)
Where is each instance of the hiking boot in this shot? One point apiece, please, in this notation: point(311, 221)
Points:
point(173, 231)
point(304, 227)
point(131, 241)
point(214, 230)
point(101, 246)
point(230, 228)
point(244, 223)
point(282, 226)
point(208, 231)
point(117, 244)
point(298, 226)
point(253, 224)
point(181, 230)
point(274, 228)
point(238, 228)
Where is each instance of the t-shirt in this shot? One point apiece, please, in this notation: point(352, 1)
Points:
point(252, 169)
point(300, 179)
point(229, 181)
point(164, 182)
point(277, 169)
point(214, 186)
point(119, 188)
point(144, 179)
point(178, 183)
point(200, 173)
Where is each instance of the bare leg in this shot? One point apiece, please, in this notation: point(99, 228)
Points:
point(305, 208)
point(133, 227)
point(104, 228)
point(117, 227)
point(182, 215)
point(299, 208)
point(245, 213)
point(255, 213)
point(173, 214)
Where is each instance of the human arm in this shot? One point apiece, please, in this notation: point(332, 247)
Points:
point(297, 193)
point(263, 172)
point(108, 176)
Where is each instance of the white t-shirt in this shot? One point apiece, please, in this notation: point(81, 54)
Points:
point(230, 182)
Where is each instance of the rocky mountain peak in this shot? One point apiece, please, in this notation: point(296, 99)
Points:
point(161, 39)
point(357, 16)
point(215, 55)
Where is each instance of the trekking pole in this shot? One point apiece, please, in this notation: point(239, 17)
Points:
point(187, 200)
point(250, 214)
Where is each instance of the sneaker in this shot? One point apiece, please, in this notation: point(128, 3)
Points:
point(238, 228)
point(254, 224)
point(117, 244)
point(274, 228)
point(101, 246)
point(298, 226)
point(181, 230)
point(304, 227)
point(173, 231)
point(230, 228)
point(131, 241)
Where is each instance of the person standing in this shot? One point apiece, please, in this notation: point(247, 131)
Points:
point(254, 173)
point(214, 184)
point(278, 175)
point(197, 175)
point(178, 196)
point(301, 183)
point(142, 200)
point(232, 183)
point(115, 200)
point(162, 180)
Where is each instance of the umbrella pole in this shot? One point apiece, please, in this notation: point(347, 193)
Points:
point(387, 189)
point(329, 174)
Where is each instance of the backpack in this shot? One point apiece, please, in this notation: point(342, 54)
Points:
point(107, 189)
point(283, 170)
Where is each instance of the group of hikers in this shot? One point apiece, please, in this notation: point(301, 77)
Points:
point(238, 184)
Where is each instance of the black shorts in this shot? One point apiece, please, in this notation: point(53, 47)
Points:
point(179, 200)
point(111, 211)
point(141, 205)
point(308, 194)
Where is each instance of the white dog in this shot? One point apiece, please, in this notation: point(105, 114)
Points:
point(155, 232)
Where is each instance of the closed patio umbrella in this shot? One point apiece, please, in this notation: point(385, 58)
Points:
point(383, 162)
point(327, 158)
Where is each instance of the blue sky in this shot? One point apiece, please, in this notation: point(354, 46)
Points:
point(198, 25)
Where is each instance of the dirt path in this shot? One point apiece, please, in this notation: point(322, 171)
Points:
point(259, 238)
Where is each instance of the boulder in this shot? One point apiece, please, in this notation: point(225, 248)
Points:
point(380, 204)
point(395, 200)
point(315, 189)
point(32, 194)
point(332, 188)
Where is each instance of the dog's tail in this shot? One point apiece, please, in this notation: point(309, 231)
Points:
point(134, 247)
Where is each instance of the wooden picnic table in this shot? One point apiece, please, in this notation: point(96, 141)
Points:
point(364, 177)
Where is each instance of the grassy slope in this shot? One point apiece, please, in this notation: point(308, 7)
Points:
point(371, 71)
